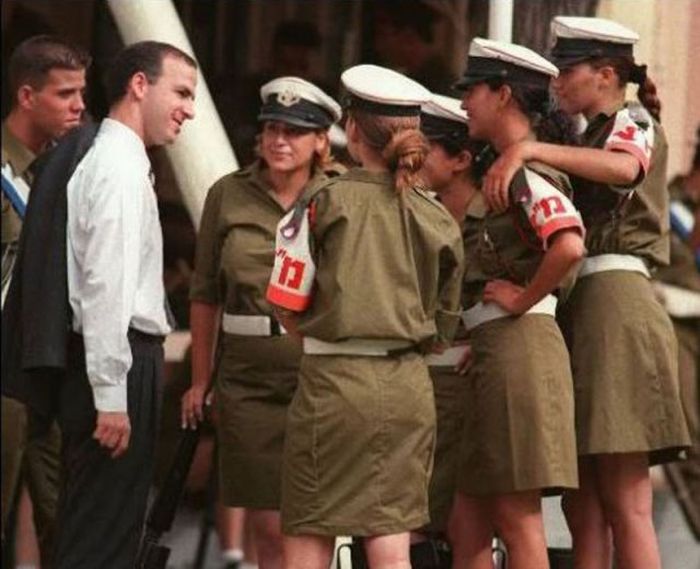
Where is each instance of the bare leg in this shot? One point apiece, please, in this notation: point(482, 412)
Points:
point(590, 532)
point(307, 552)
point(518, 520)
point(229, 525)
point(388, 551)
point(268, 537)
point(625, 489)
point(470, 532)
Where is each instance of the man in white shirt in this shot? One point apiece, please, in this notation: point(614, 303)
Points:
point(108, 405)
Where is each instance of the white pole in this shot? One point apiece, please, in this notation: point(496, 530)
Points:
point(202, 152)
point(501, 20)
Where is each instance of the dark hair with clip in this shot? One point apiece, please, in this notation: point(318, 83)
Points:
point(549, 123)
point(629, 72)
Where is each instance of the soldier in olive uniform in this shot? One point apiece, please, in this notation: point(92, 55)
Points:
point(257, 362)
point(450, 170)
point(388, 258)
point(519, 440)
point(47, 79)
point(678, 287)
point(623, 350)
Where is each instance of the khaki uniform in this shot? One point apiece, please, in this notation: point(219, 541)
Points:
point(623, 350)
point(450, 392)
point(361, 429)
point(255, 377)
point(30, 451)
point(519, 433)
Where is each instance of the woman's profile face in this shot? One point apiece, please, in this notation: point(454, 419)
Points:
point(438, 168)
point(481, 104)
point(577, 89)
point(287, 148)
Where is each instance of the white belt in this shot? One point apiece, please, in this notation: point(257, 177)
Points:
point(449, 358)
point(612, 262)
point(244, 325)
point(679, 302)
point(480, 313)
point(353, 347)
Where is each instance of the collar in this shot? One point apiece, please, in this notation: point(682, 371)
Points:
point(477, 208)
point(15, 153)
point(128, 139)
point(363, 175)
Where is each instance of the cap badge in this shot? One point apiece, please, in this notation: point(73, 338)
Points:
point(288, 98)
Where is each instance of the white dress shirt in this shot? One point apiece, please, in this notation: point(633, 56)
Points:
point(115, 258)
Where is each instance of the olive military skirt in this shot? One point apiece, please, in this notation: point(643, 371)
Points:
point(359, 446)
point(449, 389)
point(519, 432)
point(624, 359)
point(255, 382)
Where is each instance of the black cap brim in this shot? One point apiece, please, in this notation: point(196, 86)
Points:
point(291, 120)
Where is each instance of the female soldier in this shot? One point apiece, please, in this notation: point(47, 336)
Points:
point(628, 413)
point(361, 426)
point(518, 439)
point(258, 363)
point(451, 170)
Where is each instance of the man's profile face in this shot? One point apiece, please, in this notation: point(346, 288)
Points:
point(169, 102)
point(58, 105)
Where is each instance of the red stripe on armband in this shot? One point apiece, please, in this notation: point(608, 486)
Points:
point(285, 299)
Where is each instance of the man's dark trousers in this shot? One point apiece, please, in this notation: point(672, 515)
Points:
point(103, 500)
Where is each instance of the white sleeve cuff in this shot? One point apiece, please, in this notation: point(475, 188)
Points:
point(110, 398)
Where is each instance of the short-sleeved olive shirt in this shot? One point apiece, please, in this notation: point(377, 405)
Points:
point(511, 245)
point(20, 158)
point(389, 265)
point(631, 220)
point(236, 242)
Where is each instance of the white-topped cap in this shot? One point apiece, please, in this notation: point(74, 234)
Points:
point(600, 29)
point(447, 108)
point(298, 102)
point(384, 89)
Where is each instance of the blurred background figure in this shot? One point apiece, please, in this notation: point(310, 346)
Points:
point(678, 287)
point(403, 39)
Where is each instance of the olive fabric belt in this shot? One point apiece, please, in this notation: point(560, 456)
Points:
point(481, 313)
point(612, 262)
point(249, 325)
point(357, 347)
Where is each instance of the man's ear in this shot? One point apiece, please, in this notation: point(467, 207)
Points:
point(25, 97)
point(463, 161)
point(138, 85)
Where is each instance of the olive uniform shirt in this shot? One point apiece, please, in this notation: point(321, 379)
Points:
point(236, 242)
point(627, 220)
point(511, 245)
point(20, 158)
point(389, 266)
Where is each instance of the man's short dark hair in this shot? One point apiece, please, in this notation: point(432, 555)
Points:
point(33, 59)
point(143, 57)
